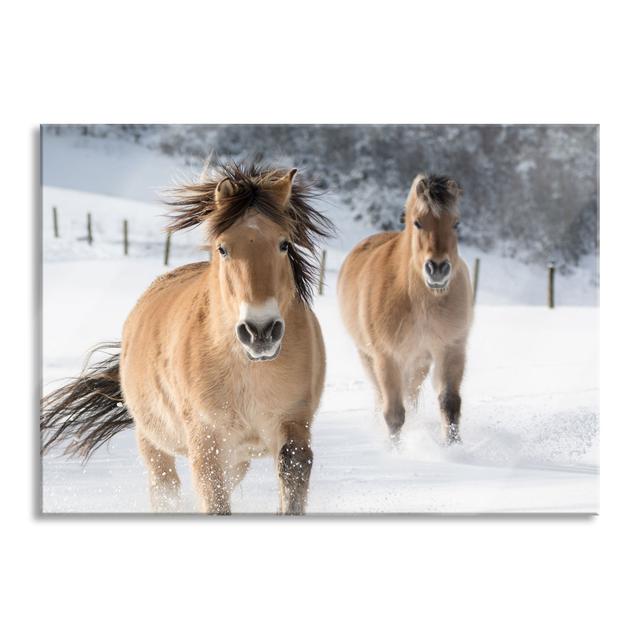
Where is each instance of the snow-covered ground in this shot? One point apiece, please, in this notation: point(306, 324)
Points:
point(530, 396)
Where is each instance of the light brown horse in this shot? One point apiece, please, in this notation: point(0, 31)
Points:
point(221, 361)
point(406, 300)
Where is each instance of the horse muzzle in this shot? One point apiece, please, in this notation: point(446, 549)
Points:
point(261, 341)
point(437, 275)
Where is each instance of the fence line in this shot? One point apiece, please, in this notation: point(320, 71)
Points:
point(551, 269)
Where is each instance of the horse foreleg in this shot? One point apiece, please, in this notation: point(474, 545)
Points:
point(294, 467)
point(209, 477)
point(415, 380)
point(164, 483)
point(448, 377)
point(390, 383)
point(367, 365)
point(238, 473)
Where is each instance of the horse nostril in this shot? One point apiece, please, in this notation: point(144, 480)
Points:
point(272, 331)
point(249, 333)
point(277, 330)
point(438, 269)
point(246, 332)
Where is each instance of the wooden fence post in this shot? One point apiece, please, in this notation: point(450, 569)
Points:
point(476, 274)
point(89, 229)
point(56, 233)
point(323, 264)
point(167, 248)
point(551, 291)
point(125, 229)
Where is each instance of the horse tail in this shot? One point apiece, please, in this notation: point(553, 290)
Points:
point(89, 410)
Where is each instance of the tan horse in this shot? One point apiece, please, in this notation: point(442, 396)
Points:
point(221, 361)
point(406, 300)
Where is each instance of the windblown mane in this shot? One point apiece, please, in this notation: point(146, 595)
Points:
point(195, 202)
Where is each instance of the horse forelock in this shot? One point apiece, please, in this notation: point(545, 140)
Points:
point(196, 202)
point(437, 194)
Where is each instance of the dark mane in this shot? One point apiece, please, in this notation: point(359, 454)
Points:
point(440, 192)
point(194, 203)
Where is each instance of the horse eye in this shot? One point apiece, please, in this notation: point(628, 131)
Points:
point(284, 246)
point(456, 226)
point(222, 251)
point(417, 225)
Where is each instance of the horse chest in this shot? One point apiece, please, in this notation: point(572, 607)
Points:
point(243, 418)
point(423, 332)
point(256, 403)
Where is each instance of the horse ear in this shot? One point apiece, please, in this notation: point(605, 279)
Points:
point(281, 188)
point(419, 186)
point(224, 190)
point(454, 188)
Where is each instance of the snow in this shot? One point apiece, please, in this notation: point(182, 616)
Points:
point(111, 167)
point(530, 421)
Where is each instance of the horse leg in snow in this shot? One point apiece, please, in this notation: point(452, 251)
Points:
point(238, 473)
point(449, 372)
point(208, 471)
point(416, 378)
point(390, 382)
point(164, 483)
point(294, 467)
point(367, 364)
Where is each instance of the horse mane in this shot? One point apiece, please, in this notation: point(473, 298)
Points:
point(441, 193)
point(195, 202)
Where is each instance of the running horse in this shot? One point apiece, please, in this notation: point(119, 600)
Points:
point(406, 300)
point(220, 361)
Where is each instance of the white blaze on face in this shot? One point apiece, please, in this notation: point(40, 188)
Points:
point(259, 314)
point(252, 223)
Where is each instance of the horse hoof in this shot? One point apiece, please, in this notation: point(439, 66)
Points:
point(453, 435)
point(395, 419)
point(394, 440)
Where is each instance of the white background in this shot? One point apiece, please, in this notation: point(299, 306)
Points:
point(326, 62)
